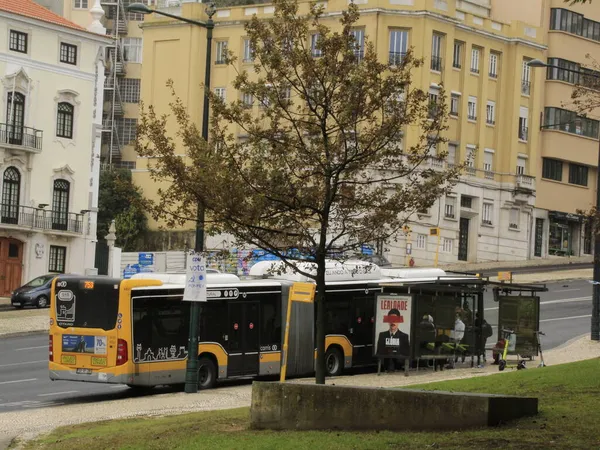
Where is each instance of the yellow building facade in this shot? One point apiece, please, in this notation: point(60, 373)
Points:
point(494, 103)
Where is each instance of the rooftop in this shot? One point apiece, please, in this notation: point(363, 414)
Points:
point(28, 8)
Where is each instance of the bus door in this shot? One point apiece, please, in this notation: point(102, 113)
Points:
point(361, 332)
point(243, 342)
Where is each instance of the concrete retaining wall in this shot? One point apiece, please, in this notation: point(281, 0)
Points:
point(291, 406)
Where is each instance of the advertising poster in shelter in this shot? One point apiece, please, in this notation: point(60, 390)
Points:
point(392, 325)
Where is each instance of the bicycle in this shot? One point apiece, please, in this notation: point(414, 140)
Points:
point(502, 363)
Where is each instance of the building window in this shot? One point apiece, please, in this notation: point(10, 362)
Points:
point(487, 213)
point(470, 159)
point(521, 165)
point(221, 53)
point(132, 15)
point(68, 53)
point(18, 41)
point(490, 113)
point(514, 216)
point(247, 100)
point(398, 46)
point(578, 174)
point(436, 52)
point(454, 105)
point(523, 124)
point(15, 117)
point(526, 78)
point(472, 108)
point(359, 43)
point(452, 155)
point(450, 207)
point(132, 49)
point(11, 193)
point(248, 54)
point(433, 103)
point(126, 129)
point(64, 120)
point(447, 245)
point(475, 60)
point(552, 169)
point(58, 257)
point(80, 4)
point(220, 92)
point(421, 241)
point(488, 162)
point(457, 56)
point(568, 121)
point(130, 89)
point(60, 205)
point(571, 22)
point(494, 58)
point(564, 70)
point(466, 201)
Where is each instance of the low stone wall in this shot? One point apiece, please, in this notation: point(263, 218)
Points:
point(290, 406)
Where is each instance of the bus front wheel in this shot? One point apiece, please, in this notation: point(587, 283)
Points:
point(207, 373)
point(334, 362)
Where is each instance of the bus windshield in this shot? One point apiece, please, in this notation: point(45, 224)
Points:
point(87, 304)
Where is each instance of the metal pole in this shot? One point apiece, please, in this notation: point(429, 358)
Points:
point(191, 375)
point(596, 294)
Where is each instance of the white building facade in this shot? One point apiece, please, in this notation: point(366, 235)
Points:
point(51, 95)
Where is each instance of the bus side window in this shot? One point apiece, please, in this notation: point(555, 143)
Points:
point(270, 333)
point(213, 321)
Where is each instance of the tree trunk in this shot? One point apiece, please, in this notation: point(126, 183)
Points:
point(320, 369)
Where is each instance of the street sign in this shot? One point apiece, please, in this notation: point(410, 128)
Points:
point(195, 280)
point(145, 259)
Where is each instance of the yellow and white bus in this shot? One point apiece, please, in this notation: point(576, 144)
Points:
point(135, 331)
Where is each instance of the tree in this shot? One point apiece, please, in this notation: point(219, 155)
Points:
point(573, 2)
point(121, 200)
point(323, 165)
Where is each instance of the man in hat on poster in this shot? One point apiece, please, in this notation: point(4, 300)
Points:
point(393, 342)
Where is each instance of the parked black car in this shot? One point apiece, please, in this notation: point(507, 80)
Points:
point(35, 293)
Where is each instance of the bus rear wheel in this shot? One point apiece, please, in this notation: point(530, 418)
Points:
point(207, 373)
point(334, 362)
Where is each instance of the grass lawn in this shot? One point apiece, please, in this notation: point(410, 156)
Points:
point(569, 419)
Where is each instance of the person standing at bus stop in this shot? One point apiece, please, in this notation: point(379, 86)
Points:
point(393, 343)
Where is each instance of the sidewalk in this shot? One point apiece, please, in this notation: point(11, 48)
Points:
point(28, 424)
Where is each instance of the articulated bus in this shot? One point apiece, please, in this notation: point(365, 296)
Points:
point(135, 331)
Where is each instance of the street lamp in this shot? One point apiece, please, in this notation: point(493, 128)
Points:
point(191, 375)
point(595, 332)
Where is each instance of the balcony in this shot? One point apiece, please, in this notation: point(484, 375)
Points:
point(396, 58)
point(40, 219)
point(26, 138)
point(525, 87)
point(525, 182)
point(436, 63)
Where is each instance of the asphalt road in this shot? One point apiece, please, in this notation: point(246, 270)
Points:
point(24, 383)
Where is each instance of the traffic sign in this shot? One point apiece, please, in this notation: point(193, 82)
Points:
point(195, 280)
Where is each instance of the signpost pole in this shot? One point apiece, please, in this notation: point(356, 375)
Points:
point(195, 292)
point(286, 341)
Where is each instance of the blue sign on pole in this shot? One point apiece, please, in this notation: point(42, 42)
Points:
point(146, 259)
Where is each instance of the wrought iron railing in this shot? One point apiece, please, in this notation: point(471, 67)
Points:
point(21, 136)
point(436, 63)
point(396, 58)
point(41, 219)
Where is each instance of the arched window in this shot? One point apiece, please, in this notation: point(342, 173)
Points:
point(11, 188)
point(60, 205)
point(15, 117)
point(64, 120)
